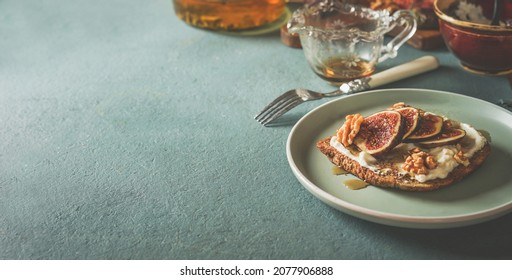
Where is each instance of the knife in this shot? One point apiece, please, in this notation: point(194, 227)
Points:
point(406, 70)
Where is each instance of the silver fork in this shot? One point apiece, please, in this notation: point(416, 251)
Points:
point(294, 97)
point(289, 100)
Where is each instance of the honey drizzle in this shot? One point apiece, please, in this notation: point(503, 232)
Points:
point(355, 184)
point(336, 170)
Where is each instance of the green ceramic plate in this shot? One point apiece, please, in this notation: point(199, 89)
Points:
point(485, 194)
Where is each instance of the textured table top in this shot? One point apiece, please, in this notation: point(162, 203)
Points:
point(127, 134)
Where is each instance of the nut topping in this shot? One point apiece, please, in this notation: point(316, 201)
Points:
point(460, 157)
point(419, 162)
point(350, 128)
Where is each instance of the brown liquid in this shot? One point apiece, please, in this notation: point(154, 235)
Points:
point(341, 70)
point(336, 170)
point(229, 14)
point(355, 184)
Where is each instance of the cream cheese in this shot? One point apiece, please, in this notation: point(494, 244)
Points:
point(472, 142)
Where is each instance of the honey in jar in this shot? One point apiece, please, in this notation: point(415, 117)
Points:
point(229, 15)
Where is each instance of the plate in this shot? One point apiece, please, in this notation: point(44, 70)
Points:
point(483, 195)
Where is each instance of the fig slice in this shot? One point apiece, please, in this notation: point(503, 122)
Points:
point(380, 132)
point(429, 126)
point(446, 137)
point(411, 116)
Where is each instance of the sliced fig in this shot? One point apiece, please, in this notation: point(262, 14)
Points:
point(411, 116)
point(380, 132)
point(429, 126)
point(446, 137)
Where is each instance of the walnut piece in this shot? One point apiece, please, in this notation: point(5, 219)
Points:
point(349, 129)
point(419, 162)
point(460, 157)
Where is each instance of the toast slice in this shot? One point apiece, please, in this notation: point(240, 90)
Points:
point(393, 179)
point(443, 151)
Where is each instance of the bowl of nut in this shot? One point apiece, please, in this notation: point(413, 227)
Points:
point(478, 33)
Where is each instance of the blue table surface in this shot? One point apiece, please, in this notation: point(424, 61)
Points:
point(127, 134)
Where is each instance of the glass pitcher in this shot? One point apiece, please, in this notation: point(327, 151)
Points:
point(343, 42)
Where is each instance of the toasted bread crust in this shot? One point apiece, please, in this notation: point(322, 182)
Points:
point(393, 180)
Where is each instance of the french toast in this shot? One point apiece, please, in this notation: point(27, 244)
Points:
point(419, 151)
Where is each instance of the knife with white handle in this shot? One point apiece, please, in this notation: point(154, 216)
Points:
point(406, 70)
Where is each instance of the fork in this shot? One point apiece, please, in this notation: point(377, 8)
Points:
point(294, 97)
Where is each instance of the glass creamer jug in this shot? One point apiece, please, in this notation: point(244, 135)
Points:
point(229, 15)
point(343, 42)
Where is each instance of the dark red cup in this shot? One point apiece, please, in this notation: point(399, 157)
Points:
point(480, 48)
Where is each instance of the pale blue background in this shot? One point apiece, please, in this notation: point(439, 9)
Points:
point(127, 134)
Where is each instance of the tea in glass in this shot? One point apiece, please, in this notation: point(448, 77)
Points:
point(229, 15)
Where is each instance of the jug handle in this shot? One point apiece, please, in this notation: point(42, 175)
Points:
point(403, 18)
